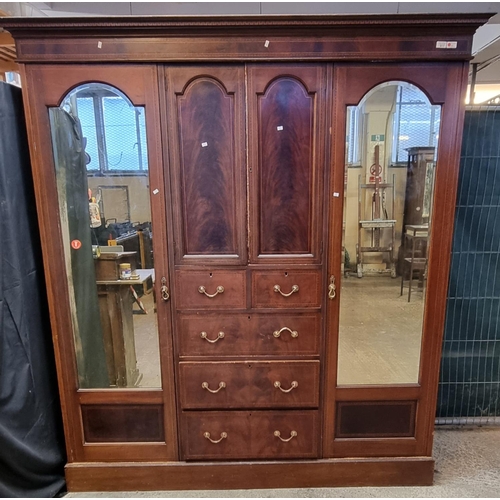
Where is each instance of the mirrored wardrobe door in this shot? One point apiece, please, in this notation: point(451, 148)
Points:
point(101, 161)
point(385, 223)
point(391, 150)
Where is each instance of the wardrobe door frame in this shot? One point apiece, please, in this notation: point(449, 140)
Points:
point(258, 83)
point(177, 78)
point(45, 86)
point(444, 84)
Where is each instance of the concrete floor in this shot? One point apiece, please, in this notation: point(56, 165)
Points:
point(380, 332)
point(467, 466)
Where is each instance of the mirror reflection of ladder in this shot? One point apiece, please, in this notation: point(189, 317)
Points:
point(379, 221)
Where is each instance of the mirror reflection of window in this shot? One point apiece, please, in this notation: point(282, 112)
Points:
point(391, 146)
point(101, 161)
point(114, 129)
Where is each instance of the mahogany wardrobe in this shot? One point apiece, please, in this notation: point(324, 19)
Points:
point(221, 204)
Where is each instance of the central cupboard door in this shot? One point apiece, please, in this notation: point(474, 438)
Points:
point(246, 159)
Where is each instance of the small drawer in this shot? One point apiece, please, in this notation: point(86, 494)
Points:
point(252, 435)
point(210, 289)
point(286, 289)
point(249, 384)
point(249, 334)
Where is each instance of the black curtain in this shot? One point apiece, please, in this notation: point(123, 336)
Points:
point(32, 453)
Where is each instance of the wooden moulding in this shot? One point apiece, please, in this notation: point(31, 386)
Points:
point(234, 38)
point(414, 471)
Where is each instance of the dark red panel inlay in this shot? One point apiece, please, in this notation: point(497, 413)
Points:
point(376, 419)
point(123, 423)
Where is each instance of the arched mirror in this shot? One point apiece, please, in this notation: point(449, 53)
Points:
point(391, 147)
point(101, 161)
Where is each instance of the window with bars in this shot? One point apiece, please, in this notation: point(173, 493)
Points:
point(415, 123)
point(353, 143)
point(114, 130)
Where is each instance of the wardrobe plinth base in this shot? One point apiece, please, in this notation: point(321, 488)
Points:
point(345, 472)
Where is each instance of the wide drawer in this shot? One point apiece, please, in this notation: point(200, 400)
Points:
point(249, 384)
point(252, 435)
point(248, 335)
point(283, 289)
point(210, 289)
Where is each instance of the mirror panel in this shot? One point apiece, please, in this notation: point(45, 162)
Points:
point(391, 145)
point(100, 155)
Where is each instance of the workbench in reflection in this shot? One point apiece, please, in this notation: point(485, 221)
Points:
point(116, 302)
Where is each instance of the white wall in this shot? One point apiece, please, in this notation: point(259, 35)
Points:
point(138, 188)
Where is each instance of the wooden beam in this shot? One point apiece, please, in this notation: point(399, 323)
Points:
point(7, 52)
point(8, 66)
point(6, 38)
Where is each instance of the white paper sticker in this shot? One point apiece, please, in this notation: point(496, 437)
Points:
point(279, 127)
point(266, 44)
point(99, 45)
point(156, 191)
point(446, 45)
point(204, 144)
point(336, 195)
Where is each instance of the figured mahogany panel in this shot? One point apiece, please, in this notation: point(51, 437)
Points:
point(284, 289)
point(285, 141)
point(122, 423)
point(249, 335)
point(365, 419)
point(250, 435)
point(287, 127)
point(206, 117)
point(210, 289)
point(206, 144)
point(249, 384)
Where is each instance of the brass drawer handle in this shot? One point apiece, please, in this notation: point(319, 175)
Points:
point(223, 435)
point(292, 435)
point(219, 289)
point(222, 385)
point(293, 333)
point(220, 335)
point(332, 290)
point(165, 295)
point(294, 385)
point(295, 288)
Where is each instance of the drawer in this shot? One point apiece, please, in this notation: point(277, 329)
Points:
point(248, 335)
point(286, 289)
point(252, 435)
point(210, 289)
point(249, 384)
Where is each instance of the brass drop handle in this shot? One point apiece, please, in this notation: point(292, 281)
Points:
point(294, 385)
point(295, 288)
point(165, 295)
point(292, 435)
point(294, 334)
point(219, 289)
point(332, 293)
point(220, 335)
point(223, 435)
point(222, 385)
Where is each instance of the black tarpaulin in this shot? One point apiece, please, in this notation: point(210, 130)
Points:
point(32, 453)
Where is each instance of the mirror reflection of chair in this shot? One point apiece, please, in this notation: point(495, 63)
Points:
point(415, 256)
